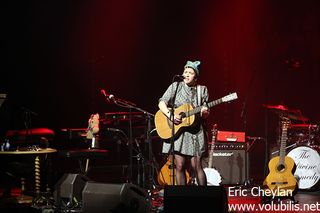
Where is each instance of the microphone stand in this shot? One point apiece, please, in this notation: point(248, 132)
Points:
point(27, 124)
point(243, 115)
point(152, 162)
point(130, 105)
point(172, 132)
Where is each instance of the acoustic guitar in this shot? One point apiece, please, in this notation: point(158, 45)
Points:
point(165, 174)
point(280, 179)
point(187, 112)
point(213, 176)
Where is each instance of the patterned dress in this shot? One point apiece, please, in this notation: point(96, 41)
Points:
point(192, 141)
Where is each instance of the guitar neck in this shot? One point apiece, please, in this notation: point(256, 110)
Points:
point(198, 108)
point(284, 138)
point(213, 140)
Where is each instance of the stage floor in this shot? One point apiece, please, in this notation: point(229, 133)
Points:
point(245, 199)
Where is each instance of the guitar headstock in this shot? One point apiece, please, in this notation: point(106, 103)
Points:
point(214, 132)
point(214, 128)
point(285, 123)
point(230, 97)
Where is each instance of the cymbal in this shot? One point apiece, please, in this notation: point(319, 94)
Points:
point(40, 151)
point(122, 114)
point(276, 107)
point(297, 117)
point(285, 111)
point(304, 126)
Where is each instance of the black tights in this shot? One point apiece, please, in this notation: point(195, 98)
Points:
point(181, 165)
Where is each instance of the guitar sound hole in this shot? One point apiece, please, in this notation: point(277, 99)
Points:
point(183, 114)
point(280, 167)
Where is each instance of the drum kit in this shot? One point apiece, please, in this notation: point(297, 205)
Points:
point(303, 147)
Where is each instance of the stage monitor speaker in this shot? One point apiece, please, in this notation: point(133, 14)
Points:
point(232, 162)
point(102, 197)
point(195, 198)
point(68, 190)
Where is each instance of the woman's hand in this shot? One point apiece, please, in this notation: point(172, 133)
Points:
point(204, 112)
point(177, 119)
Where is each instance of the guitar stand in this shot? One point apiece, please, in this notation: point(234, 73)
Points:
point(279, 199)
point(140, 165)
point(153, 169)
point(248, 182)
point(151, 164)
point(145, 167)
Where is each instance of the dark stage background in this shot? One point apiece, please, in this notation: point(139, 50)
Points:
point(58, 55)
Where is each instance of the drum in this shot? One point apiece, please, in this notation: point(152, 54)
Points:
point(303, 134)
point(307, 162)
point(213, 177)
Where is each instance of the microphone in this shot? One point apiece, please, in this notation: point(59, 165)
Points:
point(113, 130)
point(180, 77)
point(254, 138)
point(108, 96)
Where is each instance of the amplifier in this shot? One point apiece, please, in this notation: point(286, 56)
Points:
point(231, 160)
point(229, 146)
point(227, 136)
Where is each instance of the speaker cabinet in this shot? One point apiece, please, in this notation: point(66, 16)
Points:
point(68, 189)
point(102, 197)
point(231, 161)
point(194, 198)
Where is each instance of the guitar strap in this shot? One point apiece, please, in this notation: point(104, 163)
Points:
point(199, 94)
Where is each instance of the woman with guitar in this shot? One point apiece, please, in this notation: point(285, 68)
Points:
point(190, 142)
